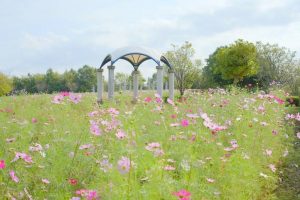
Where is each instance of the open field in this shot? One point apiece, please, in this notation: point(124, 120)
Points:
point(212, 145)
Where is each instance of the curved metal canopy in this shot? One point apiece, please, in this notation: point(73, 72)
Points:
point(135, 56)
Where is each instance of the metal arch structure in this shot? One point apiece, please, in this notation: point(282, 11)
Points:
point(135, 56)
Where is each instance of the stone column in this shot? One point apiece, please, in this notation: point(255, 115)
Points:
point(99, 85)
point(135, 84)
point(111, 84)
point(159, 80)
point(171, 84)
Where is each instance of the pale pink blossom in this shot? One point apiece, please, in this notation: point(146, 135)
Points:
point(272, 167)
point(46, 181)
point(85, 146)
point(57, 99)
point(124, 165)
point(268, 152)
point(94, 128)
point(13, 176)
point(23, 156)
point(75, 98)
point(210, 180)
point(120, 134)
point(169, 168)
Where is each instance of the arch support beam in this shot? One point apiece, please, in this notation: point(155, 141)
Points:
point(100, 85)
point(159, 80)
point(111, 84)
point(171, 84)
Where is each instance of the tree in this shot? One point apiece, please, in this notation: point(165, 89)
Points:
point(122, 80)
point(86, 78)
point(5, 84)
point(186, 69)
point(236, 61)
point(276, 64)
point(210, 78)
point(69, 79)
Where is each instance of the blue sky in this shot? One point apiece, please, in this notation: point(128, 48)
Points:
point(64, 34)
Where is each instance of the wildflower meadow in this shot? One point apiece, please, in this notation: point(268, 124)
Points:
point(213, 144)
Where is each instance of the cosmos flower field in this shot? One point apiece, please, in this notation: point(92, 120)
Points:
point(210, 145)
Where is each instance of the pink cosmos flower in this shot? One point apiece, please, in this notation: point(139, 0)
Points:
point(174, 124)
point(192, 115)
point(64, 93)
point(234, 144)
point(124, 165)
point(13, 176)
point(93, 113)
point(272, 167)
point(85, 146)
point(46, 181)
point(210, 180)
point(261, 109)
point(169, 168)
point(105, 165)
point(23, 156)
point(298, 135)
point(148, 99)
point(34, 120)
point(120, 134)
point(170, 102)
point(152, 146)
point(184, 122)
point(36, 147)
point(268, 152)
point(88, 194)
point(2, 164)
point(113, 111)
point(274, 132)
point(182, 195)
point(57, 99)
point(158, 98)
point(75, 98)
point(94, 128)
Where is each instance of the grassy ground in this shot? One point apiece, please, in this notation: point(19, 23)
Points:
point(235, 163)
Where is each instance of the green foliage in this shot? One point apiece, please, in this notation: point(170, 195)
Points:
point(187, 70)
point(277, 64)
point(86, 78)
point(293, 101)
point(236, 61)
point(5, 84)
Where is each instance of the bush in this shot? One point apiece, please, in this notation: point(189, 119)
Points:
point(5, 84)
point(293, 101)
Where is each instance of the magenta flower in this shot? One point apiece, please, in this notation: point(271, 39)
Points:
point(34, 120)
point(2, 164)
point(182, 194)
point(113, 111)
point(13, 176)
point(64, 93)
point(124, 165)
point(148, 99)
point(184, 122)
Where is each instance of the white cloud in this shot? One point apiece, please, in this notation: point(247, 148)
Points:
point(34, 42)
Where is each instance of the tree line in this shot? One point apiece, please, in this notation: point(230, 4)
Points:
point(242, 63)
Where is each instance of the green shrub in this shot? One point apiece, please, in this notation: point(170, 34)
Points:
point(5, 84)
point(293, 101)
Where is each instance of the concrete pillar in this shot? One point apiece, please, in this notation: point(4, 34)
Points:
point(159, 80)
point(99, 85)
point(171, 84)
point(135, 84)
point(111, 84)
